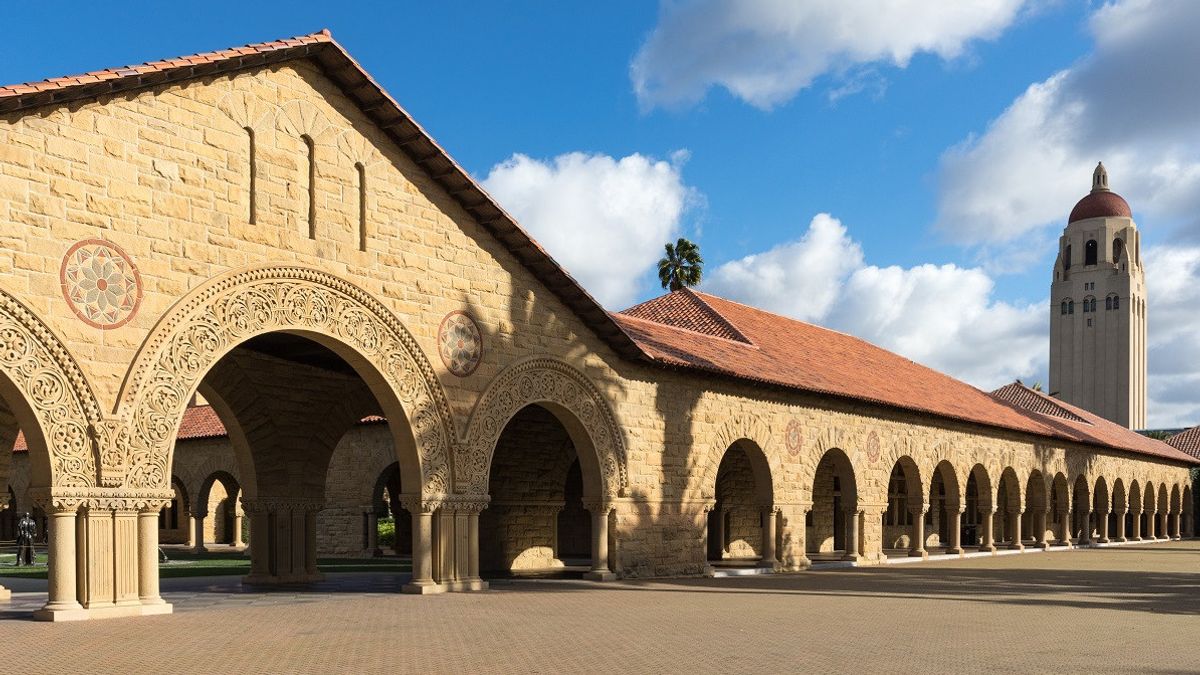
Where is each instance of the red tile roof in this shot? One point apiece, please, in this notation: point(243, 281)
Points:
point(1034, 401)
point(686, 309)
point(1187, 441)
point(797, 355)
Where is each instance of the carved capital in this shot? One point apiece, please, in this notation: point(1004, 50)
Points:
point(280, 505)
point(59, 500)
point(110, 444)
point(602, 506)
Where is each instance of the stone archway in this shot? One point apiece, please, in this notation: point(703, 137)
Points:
point(206, 326)
point(980, 509)
point(590, 426)
point(945, 504)
point(904, 519)
point(835, 522)
point(743, 523)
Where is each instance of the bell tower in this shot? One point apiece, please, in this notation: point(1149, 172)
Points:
point(1098, 309)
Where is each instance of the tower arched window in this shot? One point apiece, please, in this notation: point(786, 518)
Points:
point(1108, 304)
point(1090, 252)
point(1118, 250)
point(1064, 308)
point(1067, 258)
point(1116, 302)
point(1070, 307)
point(1089, 305)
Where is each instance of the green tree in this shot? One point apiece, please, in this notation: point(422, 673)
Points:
point(682, 266)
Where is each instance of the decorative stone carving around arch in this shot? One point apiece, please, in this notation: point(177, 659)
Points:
point(213, 319)
point(533, 381)
point(748, 427)
point(53, 389)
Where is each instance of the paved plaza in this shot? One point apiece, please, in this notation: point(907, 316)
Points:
point(1134, 608)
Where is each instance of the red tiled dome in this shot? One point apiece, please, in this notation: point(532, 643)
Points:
point(1100, 204)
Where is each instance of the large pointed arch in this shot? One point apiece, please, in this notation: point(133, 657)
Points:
point(50, 398)
point(212, 320)
point(573, 399)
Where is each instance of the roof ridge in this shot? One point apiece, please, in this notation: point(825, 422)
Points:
point(1067, 411)
point(741, 343)
point(724, 320)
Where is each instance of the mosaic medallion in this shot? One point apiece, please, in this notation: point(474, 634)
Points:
point(794, 438)
point(460, 343)
point(873, 447)
point(100, 283)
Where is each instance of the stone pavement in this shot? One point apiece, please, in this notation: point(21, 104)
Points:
point(1124, 609)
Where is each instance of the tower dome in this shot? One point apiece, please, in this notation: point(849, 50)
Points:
point(1101, 202)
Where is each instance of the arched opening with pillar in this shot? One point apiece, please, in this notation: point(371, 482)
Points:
point(1149, 513)
point(743, 526)
point(387, 507)
point(1009, 509)
point(1060, 509)
point(945, 509)
point(269, 348)
point(1082, 524)
point(834, 527)
point(979, 511)
point(1188, 527)
point(174, 527)
point(1037, 507)
point(1120, 516)
point(1173, 529)
point(1102, 512)
point(216, 514)
point(1162, 530)
point(1135, 520)
point(904, 520)
point(536, 421)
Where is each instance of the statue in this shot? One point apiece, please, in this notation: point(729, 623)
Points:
point(26, 531)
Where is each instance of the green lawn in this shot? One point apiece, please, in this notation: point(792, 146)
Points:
point(215, 564)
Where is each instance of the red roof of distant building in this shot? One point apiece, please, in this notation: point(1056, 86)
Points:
point(1100, 204)
point(1187, 441)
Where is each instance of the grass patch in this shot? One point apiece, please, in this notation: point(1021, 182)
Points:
point(182, 564)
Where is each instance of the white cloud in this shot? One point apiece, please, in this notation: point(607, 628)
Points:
point(1173, 334)
point(945, 317)
point(1131, 104)
point(604, 219)
point(765, 51)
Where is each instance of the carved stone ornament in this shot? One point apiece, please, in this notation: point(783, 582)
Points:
point(460, 344)
point(872, 448)
point(543, 380)
point(100, 283)
point(794, 437)
point(233, 308)
point(69, 500)
point(49, 379)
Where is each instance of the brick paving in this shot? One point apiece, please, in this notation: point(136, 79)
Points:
point(1123, 609)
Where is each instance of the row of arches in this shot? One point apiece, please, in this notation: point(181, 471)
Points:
point(948, 510)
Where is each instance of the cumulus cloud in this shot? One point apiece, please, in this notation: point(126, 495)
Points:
point(604, 219)
point(1173, 335)
point(942, 316)
point(765, 51)
point(1131, 103)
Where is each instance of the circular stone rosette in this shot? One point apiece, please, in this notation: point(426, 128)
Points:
point(460, 343)
point(794, 439)
point(100, 283)
point(873, 447)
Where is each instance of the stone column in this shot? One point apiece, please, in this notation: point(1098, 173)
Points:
point(1064, 523)
point(600, 570)
point(1137, 526)
point(1102, 527)
point(768, 538)
point(987, 543)
point(261, 539)
point(310, 545)
point(198, 532)
point(1085, 532)
point(917, 549)
point(237, 528)
point(1162, 526)
point(148, 593)
point(470, 580)
point(706, 569)
point(422, 549)
point(793, 555)
point(955, 547)
point(63, 603)
point(721, 531)
point(1014, 528)
point(1039, 524)
point(853, 521)
point(1120, 516)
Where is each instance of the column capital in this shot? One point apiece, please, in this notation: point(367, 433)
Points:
point(602, 504)
point(70, 500)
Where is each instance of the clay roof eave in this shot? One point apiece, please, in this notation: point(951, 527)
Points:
point(337, 64)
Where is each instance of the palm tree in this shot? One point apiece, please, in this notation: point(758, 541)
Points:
point(682, 265)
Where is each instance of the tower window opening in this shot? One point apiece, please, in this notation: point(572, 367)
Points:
point(1116, 302)
point(1108, 304)
point(1090, 252)
point(1070, 307)
point(1064, 307)
point(1067, 258)
point(1118, 250)
point(312, 185)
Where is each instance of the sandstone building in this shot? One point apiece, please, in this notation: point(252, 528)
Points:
point(265, 227)
point(1098, 309)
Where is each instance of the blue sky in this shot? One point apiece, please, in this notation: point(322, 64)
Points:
point(945, 180)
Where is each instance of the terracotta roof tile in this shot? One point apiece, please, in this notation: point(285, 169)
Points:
point(793, 354)
point(686, 309)
point(1187, 441)
point(1024, 397)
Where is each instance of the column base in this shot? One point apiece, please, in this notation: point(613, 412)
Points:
point(423, 588)
point(798, 565)
point(198, 551)
point(78, 613)
point(990, 548)
point(1043, 545)
point(954, 551)
point(708, 571)
point(281, 579)
point(851, 557)
point(922, 554)
point(466, 585)
point(600, 575)
point(772, 565)
point(1016, 547)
